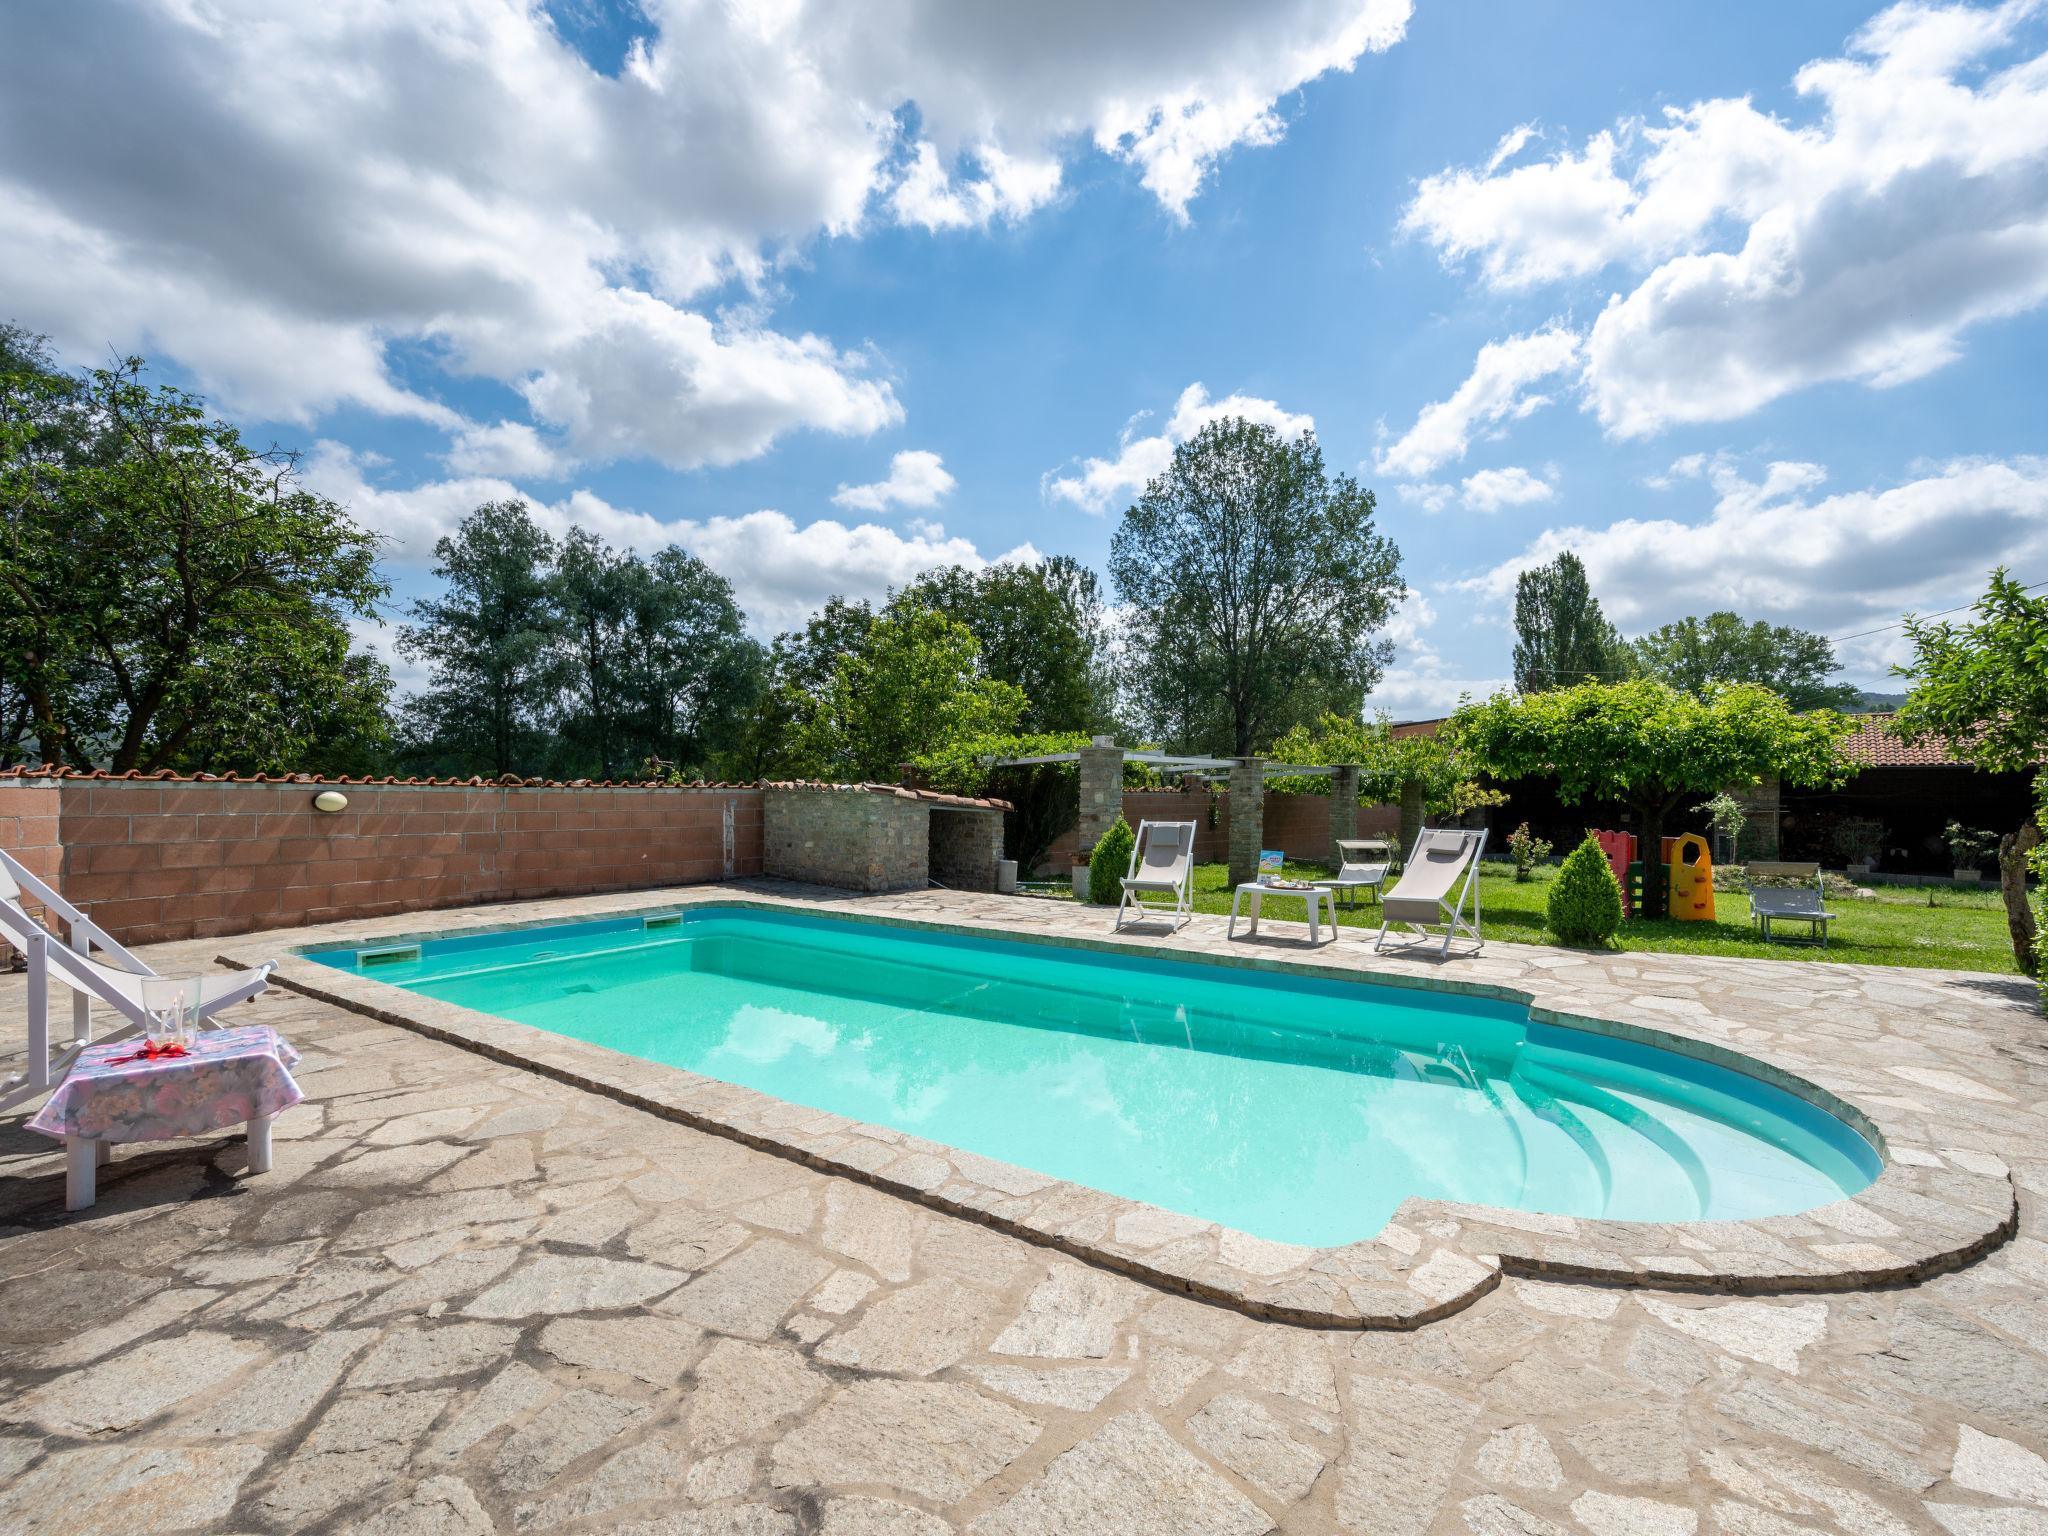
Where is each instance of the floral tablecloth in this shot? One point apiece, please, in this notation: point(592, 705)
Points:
point(227, 1076)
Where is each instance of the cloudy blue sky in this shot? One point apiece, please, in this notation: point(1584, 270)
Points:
point(1743, 302)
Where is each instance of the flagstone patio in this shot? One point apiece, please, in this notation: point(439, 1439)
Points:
point(471, 1297)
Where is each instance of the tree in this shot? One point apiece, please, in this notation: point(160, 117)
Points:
point(1255, 580)
point(692, 676)
point(1694, 653)
point(660, 670)
point(1039, 627)
point(1983, 687)
point(797, 675)
point(494, 642)
point(1648, 745)
point(595, 588)
point(913, 683)
point(1561, 636)
point(169, 595)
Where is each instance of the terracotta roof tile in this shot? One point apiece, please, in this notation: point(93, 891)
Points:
point(509, 781)
point(1875, 746)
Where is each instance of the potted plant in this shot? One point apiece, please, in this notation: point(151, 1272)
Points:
point(1857, 841)
point(1969, 849)
point(1080, 874)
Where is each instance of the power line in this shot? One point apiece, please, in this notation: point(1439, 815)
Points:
point(1901, 623)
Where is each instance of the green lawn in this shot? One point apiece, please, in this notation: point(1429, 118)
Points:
point(1961, 930)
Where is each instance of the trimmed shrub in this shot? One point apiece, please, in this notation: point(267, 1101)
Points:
point(1585, 899)
point(1109, 863)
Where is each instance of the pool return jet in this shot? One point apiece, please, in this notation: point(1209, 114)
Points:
point(1441, 875)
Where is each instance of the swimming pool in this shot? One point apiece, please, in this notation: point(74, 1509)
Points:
point(1290, 1107)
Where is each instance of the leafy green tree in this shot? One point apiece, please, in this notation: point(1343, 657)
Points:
point(595, 588)
point(913, 683)
point(1648, 745)
point(797, 674)
point(692, 677)
point(169, 595)
point(1256, 584)
point(493, 639)
point(1040, 627)
point(1983, 687)
point(660, 671)
point(1561, 636)
point(1696, 653)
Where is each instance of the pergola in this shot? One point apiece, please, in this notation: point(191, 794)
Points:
point(1101, 771)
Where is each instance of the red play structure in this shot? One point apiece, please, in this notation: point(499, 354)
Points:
point(1688, 873)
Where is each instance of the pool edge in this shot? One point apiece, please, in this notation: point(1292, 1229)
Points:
point(1433, 1259)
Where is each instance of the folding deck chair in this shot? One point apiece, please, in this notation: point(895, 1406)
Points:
point(115, 981)
point(1439, 877)
point(1162, 864)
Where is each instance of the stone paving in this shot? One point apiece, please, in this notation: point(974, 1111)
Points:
point(472, 1298)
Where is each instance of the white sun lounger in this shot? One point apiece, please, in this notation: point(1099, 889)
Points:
point(115, 981)
point(1436, 882)
point(1162, 864)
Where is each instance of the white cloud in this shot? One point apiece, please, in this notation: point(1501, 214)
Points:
point(454, 179)
point(1430, 495)
point(1008, 188)
point(917, 478)
point(781, 570)
point(1101, 483)
point(1772, 549)
point(1421, 685)
point(1858, 247)
point(509, 448)
point(1491, 489)
point(1497, 390)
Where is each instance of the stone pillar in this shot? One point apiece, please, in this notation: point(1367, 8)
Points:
point(1343, 805)
point(1761, 803)
point(1247, 817)
point(1412, 809)
point(1101, 770)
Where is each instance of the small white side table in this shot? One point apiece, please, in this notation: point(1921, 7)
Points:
point(1317, 897)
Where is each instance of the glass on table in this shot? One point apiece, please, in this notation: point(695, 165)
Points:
point(165, 1001)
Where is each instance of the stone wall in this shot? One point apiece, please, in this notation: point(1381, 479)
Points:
point(1247, 819)
point(965, 847)
point(179, 859)
point(1099, 773)
point(858, 839)
point(1762, 804)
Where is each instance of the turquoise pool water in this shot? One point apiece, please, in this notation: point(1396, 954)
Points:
point(1289, 1107)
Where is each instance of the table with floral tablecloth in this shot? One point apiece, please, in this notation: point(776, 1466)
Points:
point(125, 1091)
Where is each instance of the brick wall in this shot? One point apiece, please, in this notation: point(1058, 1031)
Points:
point(28, 827)
point(183, 860)
point(965, 846)
point(858, 839)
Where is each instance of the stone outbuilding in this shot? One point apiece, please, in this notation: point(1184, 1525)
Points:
point(881, 837)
